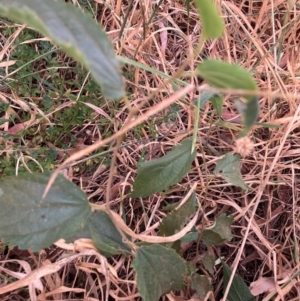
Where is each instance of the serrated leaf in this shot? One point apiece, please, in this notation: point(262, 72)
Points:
point(27, 221)
point(106, 237)
point(220, 232)
point(212, 23)
point(175, 220)
point(201, 284)
point(239, 291)
point(159, 270)
point(208, 263)
point(158, 175)
point(220, 74)
point(229, 169)
point(75, 33)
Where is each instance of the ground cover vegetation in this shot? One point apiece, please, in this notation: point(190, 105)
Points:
point(155, 158)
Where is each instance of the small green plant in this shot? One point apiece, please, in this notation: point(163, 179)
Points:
point(36, 212)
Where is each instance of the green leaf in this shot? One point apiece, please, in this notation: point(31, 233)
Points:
point(3, 120)
point(170, 207)
point(158, 175)
point(201, 284)
point(81, 233)
point(159, 270)
point(208, 263)
point(207, 95)
point(175, 82)
point(106, 237)
point(175, 220)
point(212, 23)
point(188, 6)
point(249, 112)
point(176, 246)
point(223, 75)
point(229, 167)
point(217, 103)
point(191, 269)
point(227, 125)
point(75, 33)
point(220, 232)
point(30, 222)
point(239, 291)
point(192, 236)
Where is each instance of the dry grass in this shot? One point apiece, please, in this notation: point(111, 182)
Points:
point(262, 36)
